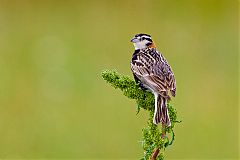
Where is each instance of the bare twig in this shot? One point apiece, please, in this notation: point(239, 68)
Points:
point(155, 154)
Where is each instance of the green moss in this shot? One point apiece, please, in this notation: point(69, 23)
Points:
point(145, 100)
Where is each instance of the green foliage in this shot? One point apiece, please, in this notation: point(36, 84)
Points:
point(152, 135)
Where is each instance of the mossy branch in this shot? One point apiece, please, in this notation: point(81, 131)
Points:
point(153, 142)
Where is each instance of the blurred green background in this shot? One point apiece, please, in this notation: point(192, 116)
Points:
point(54, 103)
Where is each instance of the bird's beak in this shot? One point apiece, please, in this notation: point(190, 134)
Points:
point(134, 40)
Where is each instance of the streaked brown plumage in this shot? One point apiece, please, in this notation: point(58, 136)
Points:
point(153, 72)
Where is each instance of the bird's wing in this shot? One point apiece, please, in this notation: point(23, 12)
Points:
point(154, 71)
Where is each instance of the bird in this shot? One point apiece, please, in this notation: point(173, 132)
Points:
point(152, 73)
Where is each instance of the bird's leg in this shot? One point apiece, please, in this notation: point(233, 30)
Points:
point(139, 83)
point(143, 88)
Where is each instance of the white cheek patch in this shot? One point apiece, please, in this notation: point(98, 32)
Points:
point(140, 45)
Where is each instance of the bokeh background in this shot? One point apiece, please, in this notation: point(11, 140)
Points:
point(54, 103)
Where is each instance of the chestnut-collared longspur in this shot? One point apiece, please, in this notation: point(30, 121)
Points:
point(152, 71)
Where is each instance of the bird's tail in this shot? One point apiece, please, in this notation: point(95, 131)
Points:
point(161, 111)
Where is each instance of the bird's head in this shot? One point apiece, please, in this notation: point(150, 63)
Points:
point(142, 41)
